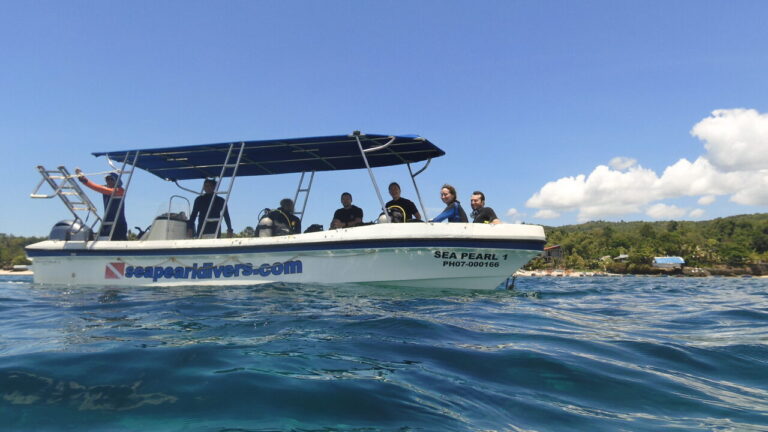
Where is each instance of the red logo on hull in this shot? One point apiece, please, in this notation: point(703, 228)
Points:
point(115, 270)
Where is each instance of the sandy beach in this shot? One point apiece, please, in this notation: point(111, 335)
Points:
point(15, 273)
point(572, 273)
point(562, 273)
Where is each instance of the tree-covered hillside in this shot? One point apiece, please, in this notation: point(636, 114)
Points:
point(12, 249)
point(732, 241)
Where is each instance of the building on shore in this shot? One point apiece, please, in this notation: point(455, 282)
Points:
point(553, 254)
point(672, 263)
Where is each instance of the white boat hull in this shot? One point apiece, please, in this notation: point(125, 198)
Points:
point(471, 256)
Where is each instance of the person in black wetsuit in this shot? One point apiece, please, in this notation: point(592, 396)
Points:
point(113, 211)
point(200, 208)
point(348, 215)
point(283, 220)
point(399, 203)
point(481, 213)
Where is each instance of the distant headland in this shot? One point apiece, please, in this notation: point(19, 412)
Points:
point(729, 246)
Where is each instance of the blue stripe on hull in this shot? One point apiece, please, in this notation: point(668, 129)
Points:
point(365, 244)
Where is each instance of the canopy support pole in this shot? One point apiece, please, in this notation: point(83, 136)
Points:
point(356, 134)
point(176, 182)
point(418, 194)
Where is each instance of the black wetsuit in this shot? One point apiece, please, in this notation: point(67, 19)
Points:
point(199, 210)
point(407, 205)
point(484, 215)
point(348, 215)
point(121, 226)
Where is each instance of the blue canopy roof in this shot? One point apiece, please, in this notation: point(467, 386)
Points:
point(329, 153)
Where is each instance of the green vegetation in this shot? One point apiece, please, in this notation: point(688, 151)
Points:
point(12, 250)
point(734, 241)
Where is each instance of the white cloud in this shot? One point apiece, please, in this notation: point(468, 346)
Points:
point(604, 192)
point(735, 139)
point(515, 216)
point(565, 193)
point(735, 164)
point(546, 214)
point(696, 213)
point(665, 211)
point(691, 178)
point(599, 211)
point(621, 163)
point(755, 190)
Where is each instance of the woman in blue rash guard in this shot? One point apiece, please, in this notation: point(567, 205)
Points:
point(453, 211)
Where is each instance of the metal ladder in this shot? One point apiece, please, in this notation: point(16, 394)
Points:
point(65, 187)
point(232, 177)
point(305, 191)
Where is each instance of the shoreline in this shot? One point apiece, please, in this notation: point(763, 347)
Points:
point(16, 273)
point(525, 273)
point(574, 273)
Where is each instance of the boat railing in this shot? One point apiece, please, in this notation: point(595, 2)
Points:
point(169, 213)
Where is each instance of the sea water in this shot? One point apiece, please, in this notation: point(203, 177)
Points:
point(587, 354)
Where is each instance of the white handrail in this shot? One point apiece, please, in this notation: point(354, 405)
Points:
point(381, 147)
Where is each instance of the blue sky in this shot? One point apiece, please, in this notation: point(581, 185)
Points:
point(559, 111)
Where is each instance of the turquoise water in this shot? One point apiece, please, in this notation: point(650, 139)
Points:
point(644, 354)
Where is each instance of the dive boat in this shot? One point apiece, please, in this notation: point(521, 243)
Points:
point(414, 254)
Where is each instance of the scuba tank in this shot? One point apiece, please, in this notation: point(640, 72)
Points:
point(264, 228)
point(396, 214)
point(273, 223)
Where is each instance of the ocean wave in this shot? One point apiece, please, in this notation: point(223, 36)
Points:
point(581, 354)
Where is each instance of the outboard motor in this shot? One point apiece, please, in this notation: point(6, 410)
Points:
point(68, 230)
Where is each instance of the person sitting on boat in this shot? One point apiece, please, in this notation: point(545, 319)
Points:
point(453, 211)
point(114, 213)
point(481, 213)
point(400, 204)
point(284, 222)
point(200, 209)
point(348, 215)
